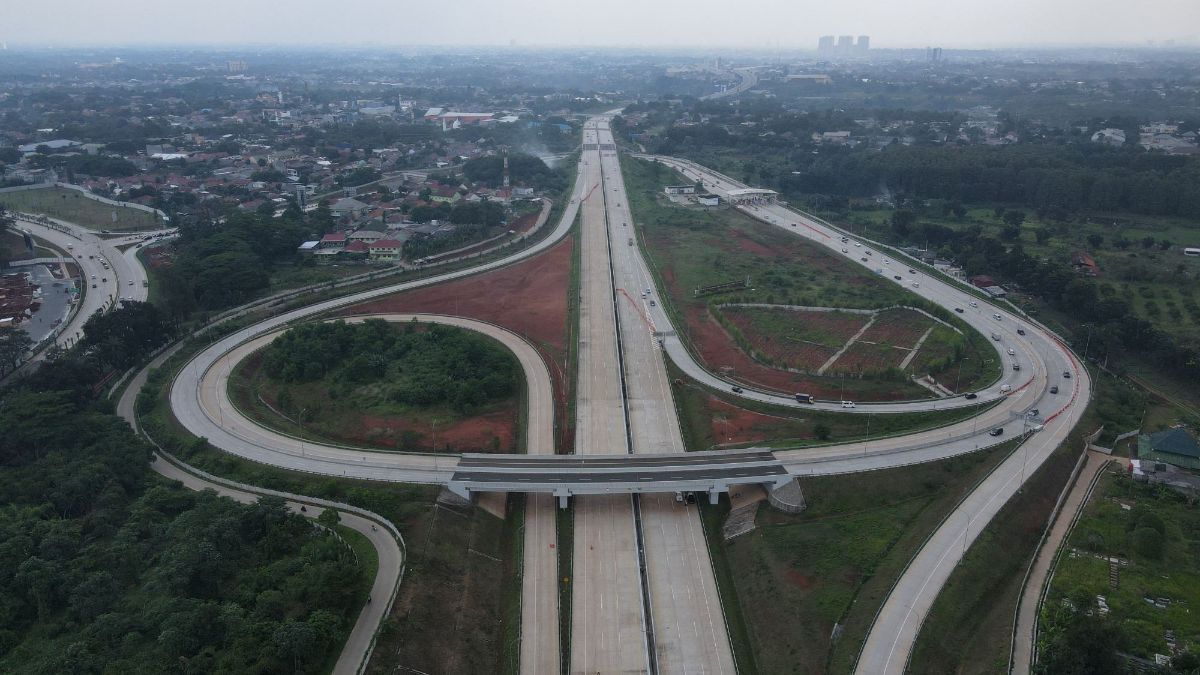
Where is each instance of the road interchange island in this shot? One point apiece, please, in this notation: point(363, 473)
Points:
point(644, 597)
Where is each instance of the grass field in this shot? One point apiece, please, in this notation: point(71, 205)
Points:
point(71, 206)
point(693, 247)
point(799, 579)
point(1118, 508)
point(711, 419)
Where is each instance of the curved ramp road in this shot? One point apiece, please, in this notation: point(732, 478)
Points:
point(890, 641)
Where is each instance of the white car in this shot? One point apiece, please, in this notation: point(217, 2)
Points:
point(856, 244)
point(847, 404)
point(916, 284)
point(1012, 352)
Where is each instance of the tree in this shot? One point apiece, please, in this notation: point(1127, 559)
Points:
point(1010, 233)
point(1148, 543)
point(1148, 242)
point(329, 518)
point(902, 221)
point(1014, 218)
point(1095, 240)
point(821, 431)
point(14, 342)
point(1042, 234)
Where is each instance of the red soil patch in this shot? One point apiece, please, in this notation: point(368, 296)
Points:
point(790, 351)
point(798, 579)
point(474, 434)
point(528, 298)
point(732, 425)
point(745, 243)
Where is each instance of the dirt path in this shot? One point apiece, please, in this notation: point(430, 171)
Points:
point(849, 343)
point(1031, 595)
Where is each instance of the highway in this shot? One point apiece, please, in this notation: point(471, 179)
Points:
point(689, 627)
point(609, 623)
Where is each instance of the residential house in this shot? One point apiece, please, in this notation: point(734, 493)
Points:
point(366, 236)
point(349, 207)
point(1171, 446)
point(386, 249)
point(333, 240)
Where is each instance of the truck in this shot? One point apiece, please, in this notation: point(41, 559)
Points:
point(805, 398)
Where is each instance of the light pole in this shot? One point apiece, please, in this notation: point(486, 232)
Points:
point(300, 421)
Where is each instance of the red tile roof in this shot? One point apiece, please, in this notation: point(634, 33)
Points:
point(334, 237)
point(386, 243)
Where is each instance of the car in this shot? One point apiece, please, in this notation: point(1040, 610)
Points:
point(737, 389)
point(1020, 331)
point(653, 304)
point(869, 253)
point(1005, 388)
point(886, 261)
point(911, 271)
point(1012, 352)
point(93, 276)
point(847, 404)
point(997, 317)
point(1034, 413)
point(1054, 389)
point(971, 396)
point(897, 277)
point(959, 310)
point(104, 279)
point(1016, 366)
point(916, 284)
point(856, 244)
point(131, 282)
point(93, 285)
point(1066, 374)
point(974, 304)
point(863, 259)
point(996, 432)
point(845, 250)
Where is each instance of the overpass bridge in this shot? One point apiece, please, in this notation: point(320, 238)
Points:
point(568, 475)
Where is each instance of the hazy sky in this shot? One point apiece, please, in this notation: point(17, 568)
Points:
point(645, 23)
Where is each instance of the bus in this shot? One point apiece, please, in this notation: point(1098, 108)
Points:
point(1195, 252)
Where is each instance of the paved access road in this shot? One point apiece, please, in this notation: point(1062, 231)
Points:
point(360, 642)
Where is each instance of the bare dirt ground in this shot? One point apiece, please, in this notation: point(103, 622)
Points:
point(529, 298)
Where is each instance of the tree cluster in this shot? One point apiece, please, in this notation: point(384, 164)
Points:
point(420, 365)
point(106, 568)
point(523, 169)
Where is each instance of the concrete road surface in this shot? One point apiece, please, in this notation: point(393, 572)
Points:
point(607, 617)
point(689, 627)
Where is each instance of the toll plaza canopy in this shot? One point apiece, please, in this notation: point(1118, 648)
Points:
point(751, 196)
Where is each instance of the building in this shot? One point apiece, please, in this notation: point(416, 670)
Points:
point(56, 144)
point(933, 54)
point(708, 200)
point(825, 44)
point(1085, 264)
point(366, 236)
point(349, 206)
point(810, 79)
point(309, 247)
point(863, 45)
point(1171, 446)
point(845, 44)
point(1114, 137)
point(356, 250)
point(333, 240)
point(679, 189)
point(386, 249)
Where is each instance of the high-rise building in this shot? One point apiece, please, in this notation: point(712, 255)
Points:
point(933, 54)
point(864, 44)
point(825, 44)
point(845, 44)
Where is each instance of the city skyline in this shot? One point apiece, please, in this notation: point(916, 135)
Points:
point(624, 23)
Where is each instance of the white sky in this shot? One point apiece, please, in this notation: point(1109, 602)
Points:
point(786, 24)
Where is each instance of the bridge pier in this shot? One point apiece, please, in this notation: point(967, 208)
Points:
point(564, 499)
